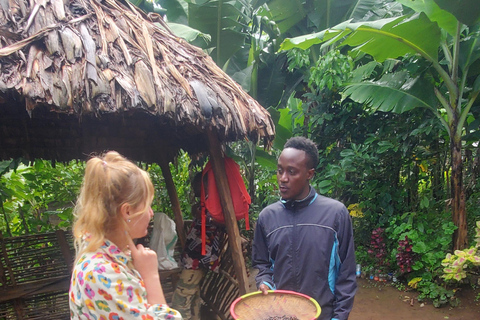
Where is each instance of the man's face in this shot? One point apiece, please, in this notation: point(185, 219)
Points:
point(293, 174)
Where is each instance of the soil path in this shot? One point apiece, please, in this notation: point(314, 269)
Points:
point(382, 301)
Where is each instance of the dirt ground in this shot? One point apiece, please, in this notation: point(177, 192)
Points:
point(380, 301)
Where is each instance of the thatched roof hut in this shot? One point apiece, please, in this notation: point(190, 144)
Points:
point(84, 76)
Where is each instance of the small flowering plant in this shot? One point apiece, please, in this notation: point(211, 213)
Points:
point(458, 264)
point(405, 256)
point(378, 249)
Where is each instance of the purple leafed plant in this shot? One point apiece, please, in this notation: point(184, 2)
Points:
point(377, 249)
point(405, 258)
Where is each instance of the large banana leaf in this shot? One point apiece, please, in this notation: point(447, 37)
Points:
point(193, 36)
point(395, 92)
point(324, 14)
point(382, 39)
point(319, 14)
point(470, 53)
point(176, 10)
point(445, 19)
point(271, 81)
point(220, 19)
point(285, 13)
point(265, 159)
point(283, 126)
point(368, 10)
point(466, 11)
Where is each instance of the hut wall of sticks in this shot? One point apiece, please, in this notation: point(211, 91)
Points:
point(35, 275)
point(83, 76)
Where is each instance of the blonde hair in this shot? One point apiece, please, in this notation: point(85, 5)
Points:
point(109, 182)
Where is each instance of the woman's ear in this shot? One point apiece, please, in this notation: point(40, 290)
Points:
point(125, 211)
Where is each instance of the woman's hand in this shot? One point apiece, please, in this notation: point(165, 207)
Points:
point(144, 259)
point(146, 263)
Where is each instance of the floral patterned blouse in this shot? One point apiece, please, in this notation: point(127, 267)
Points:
point(104, 287)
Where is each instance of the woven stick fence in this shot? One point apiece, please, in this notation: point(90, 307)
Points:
point(35, 276)
point(219, 290)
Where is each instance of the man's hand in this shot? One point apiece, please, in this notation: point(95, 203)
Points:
point(264, 288)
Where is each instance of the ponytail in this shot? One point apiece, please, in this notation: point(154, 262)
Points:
point(109, 182)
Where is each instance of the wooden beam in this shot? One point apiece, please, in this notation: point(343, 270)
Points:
point(234, 242)
point(25, 290)
point(172, 194)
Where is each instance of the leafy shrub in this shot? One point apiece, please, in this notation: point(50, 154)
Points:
point(378, 250)
point(463, 262)
point(431, 290)
point(430, 235)
point(38, 197)
point(405, 256)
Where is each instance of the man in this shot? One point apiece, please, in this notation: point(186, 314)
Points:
point(304, 242)
point(186, 297)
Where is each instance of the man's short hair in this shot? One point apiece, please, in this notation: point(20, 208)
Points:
point(307, 145)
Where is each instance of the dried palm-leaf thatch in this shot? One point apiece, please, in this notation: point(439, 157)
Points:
point(82, 76)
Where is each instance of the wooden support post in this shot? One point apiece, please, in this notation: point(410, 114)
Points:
point(19, 306)
point(230, 220)
point(8, 266)
point(65, 249)
point(172, 194)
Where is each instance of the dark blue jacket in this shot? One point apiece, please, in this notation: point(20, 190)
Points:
point(307, 246)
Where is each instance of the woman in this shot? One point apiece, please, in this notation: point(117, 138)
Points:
point(112, 277)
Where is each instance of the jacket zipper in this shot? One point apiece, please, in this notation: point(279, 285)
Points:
point(294, 246)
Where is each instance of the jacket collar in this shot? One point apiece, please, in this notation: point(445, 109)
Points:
point(297, 204)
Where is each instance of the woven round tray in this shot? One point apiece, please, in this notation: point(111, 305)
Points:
point(276, 305)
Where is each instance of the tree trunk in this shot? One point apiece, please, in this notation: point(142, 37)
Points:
point(459, 215)
point(438, 184)
point(413, 186)
point(474, 174)
point(251, 172)
point(7, 225)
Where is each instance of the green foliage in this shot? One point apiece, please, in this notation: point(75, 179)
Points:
point(394, 166)
point(396, 163)
point(148, 6)
point(363, 257)
point(331, 70)
point(437, 39)
point(389, 38)
point(463, 262)
point(438, 294)
point(182, 174)
point(39, 198)
point(298, 59)
point(431, 236)
point(378, 250)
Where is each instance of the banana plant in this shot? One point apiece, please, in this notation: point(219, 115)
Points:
point(243, 38)
point(440, 37)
